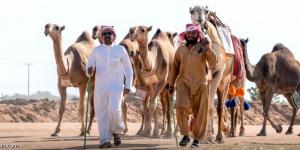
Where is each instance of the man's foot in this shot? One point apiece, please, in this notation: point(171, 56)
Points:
point(105, 145)
point(184, 141)
point(117, 139)
point(195, 144)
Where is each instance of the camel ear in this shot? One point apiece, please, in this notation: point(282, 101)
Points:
point(149, 28)
point(158, 31)
point(112, 26)
point(191, 10)
point(174, 34)
point(247, 40)
point(62, 28)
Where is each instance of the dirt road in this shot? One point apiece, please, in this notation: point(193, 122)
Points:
point(37, 136)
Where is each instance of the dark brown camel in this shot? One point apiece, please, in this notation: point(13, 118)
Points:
point(277, 72)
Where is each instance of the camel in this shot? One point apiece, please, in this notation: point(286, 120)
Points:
point(277, 72)
point(156, 60)
point(71, 71)
point(221, 74)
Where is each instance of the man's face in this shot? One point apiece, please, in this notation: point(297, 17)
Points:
point(107, 37)
point(191, 37)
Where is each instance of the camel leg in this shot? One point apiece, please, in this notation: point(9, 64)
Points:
point(169, 105)
point(266, 102)
point(242, 129)
point(124, 111)
point(145, 101)
point(82, 91)
point(155, 118)
point(232, 122)
point(164, 109)
point(213, 86)
point(222, 93)
point(92, 110)
point(63, 96)
point(291, 101)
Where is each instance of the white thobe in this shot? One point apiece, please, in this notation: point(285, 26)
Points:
point(112, 63)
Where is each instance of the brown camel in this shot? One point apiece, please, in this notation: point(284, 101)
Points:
point(222, 74)
point(156, 61)
point(71, 71)
point(277, 72)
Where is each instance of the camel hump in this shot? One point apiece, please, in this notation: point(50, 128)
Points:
point(279, 46)
point(84, 36)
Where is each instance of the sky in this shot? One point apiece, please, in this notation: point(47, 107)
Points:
point(22, 37)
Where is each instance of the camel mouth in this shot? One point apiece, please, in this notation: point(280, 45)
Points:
point(46, 33)
point(95, 37)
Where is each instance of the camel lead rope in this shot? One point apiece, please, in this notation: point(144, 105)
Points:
point(174, 123)
point(86, 112)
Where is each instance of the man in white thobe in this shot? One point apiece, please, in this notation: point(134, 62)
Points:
point(112, 63)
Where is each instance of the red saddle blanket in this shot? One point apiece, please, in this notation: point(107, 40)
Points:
point(239, 67)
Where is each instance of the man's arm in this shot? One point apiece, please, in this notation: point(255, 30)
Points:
point(210, 55)
point(91, 64)
point(125, 60)
point(175, 69)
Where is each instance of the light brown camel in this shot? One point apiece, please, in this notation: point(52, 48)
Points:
point(156, 59)
point(71, 71)
point(221, 74)
point(277, 72)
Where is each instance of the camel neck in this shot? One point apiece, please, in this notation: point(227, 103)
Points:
point(58, 55)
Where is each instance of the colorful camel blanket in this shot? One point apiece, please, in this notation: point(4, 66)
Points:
point(239, 67)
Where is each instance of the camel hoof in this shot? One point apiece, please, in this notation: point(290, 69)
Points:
point(125, 131)
point(261, 134)
point(289, 131)
point(232, 134)
point(57, 134)
point(168, 135)
point(279, 128)
point(139, 133)
point(242, 134)
point(219, 139)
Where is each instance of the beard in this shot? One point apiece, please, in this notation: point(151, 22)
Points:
point(191, 41)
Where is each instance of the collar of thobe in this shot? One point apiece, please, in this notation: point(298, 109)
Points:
point(109, 46)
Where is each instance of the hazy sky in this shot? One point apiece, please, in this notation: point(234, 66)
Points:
point(264, 22)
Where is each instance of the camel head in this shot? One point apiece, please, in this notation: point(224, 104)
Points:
point(139, 33)
point(244, 43)
point(53, 30)
point(164, 35)
point(199, 14)
point(132, 47)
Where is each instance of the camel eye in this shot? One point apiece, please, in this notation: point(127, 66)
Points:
point(56, 28)
point(143, 30)
point(131, 53)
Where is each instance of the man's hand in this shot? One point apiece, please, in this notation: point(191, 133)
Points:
point(90, 71)
point(126, 91)
point(206, 42)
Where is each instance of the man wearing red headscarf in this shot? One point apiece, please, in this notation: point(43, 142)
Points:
point(190, 72)
point(112, 63)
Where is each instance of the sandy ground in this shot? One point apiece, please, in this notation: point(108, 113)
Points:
point(37, 136)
